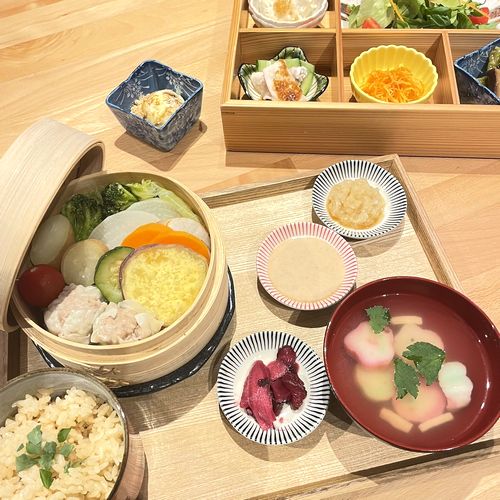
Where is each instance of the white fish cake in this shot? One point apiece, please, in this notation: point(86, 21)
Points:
point(456, 385)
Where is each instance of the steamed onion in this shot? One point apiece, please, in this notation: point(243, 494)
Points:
point(52, 238)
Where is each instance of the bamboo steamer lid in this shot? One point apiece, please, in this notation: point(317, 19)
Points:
point(32, 172)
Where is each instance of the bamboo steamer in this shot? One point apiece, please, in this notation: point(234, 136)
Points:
point(75, 154)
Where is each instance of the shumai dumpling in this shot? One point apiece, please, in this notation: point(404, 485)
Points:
point(71, 315)
point(124, 322)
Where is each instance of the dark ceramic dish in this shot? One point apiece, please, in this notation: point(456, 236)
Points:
point(59, 380)
point(181, 373)
point(470, 337)
point(148, 77)
point(467, 69)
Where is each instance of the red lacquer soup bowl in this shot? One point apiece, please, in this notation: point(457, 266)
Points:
point(437, 314)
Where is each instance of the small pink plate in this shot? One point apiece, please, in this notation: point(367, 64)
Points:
point(306, 230)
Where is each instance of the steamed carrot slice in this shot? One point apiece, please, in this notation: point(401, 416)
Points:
point(144, 235)
point(184, 239)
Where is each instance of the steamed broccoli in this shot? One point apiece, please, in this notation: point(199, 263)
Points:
point(116, 198)
point(84, 212)
point(147, 189)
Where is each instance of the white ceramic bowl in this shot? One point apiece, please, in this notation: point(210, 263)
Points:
point(262, 18)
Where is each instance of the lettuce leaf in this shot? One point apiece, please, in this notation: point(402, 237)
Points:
point(379, 10)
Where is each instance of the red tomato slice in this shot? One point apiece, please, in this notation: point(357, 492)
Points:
point(481, 19)
point(40, 285)
point(370, 23)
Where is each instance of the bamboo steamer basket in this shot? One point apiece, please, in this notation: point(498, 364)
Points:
point(42, 169)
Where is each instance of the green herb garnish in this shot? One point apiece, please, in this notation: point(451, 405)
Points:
point(43, 455)
point(66, 450)
point(24, 462)
point(62, 435)
point(46, 477)
point(34, 449)
point(379, 318)
point(427, 358)
point(35, 436)
point(405, 379)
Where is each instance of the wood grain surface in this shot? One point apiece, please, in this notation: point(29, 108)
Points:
point(60, 58)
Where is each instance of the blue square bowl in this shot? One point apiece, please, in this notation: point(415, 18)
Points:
point(467, 69)
point(148, 77)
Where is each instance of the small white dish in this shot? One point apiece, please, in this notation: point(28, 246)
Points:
point(307, 230)
point(390, 188)
point(261, 14)
point(290, 425)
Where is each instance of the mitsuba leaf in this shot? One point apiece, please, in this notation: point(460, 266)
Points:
point(379, 317)
point(24, 462)
point(45, 462)
point(34, 449)
point(62, 435)
point(46, 477)
point(35, 436)
point(66, 450)
point(50, 448)
point(405, 379)
point(428, 359)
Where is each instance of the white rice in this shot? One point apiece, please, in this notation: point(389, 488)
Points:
point(97, 436)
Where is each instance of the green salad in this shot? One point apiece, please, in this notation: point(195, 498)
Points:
point(442, 14)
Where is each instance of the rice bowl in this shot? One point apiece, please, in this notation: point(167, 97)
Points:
point(63, 435)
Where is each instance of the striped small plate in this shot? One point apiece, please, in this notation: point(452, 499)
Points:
point(301, 230)
point(291, 425)
point(388, 185)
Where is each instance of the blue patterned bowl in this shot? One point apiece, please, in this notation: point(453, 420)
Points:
point(467, 69)
point(148, 77)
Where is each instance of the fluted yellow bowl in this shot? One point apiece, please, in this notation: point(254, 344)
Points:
point(386, 57)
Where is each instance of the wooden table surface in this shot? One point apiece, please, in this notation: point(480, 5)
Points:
point(60, 58)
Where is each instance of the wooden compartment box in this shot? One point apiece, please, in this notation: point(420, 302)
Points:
point(336, 123)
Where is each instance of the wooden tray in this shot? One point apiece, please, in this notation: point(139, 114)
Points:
point(182, 428)
point(336, 124)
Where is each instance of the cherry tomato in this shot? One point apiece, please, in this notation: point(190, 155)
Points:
point(370, 23)
point(40, 285)
point(481, 19)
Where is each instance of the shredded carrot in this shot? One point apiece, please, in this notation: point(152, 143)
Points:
point(184, 239)
point(144, 235)
point(393, 85)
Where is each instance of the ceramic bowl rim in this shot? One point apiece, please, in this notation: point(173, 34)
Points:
point(174, 114)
